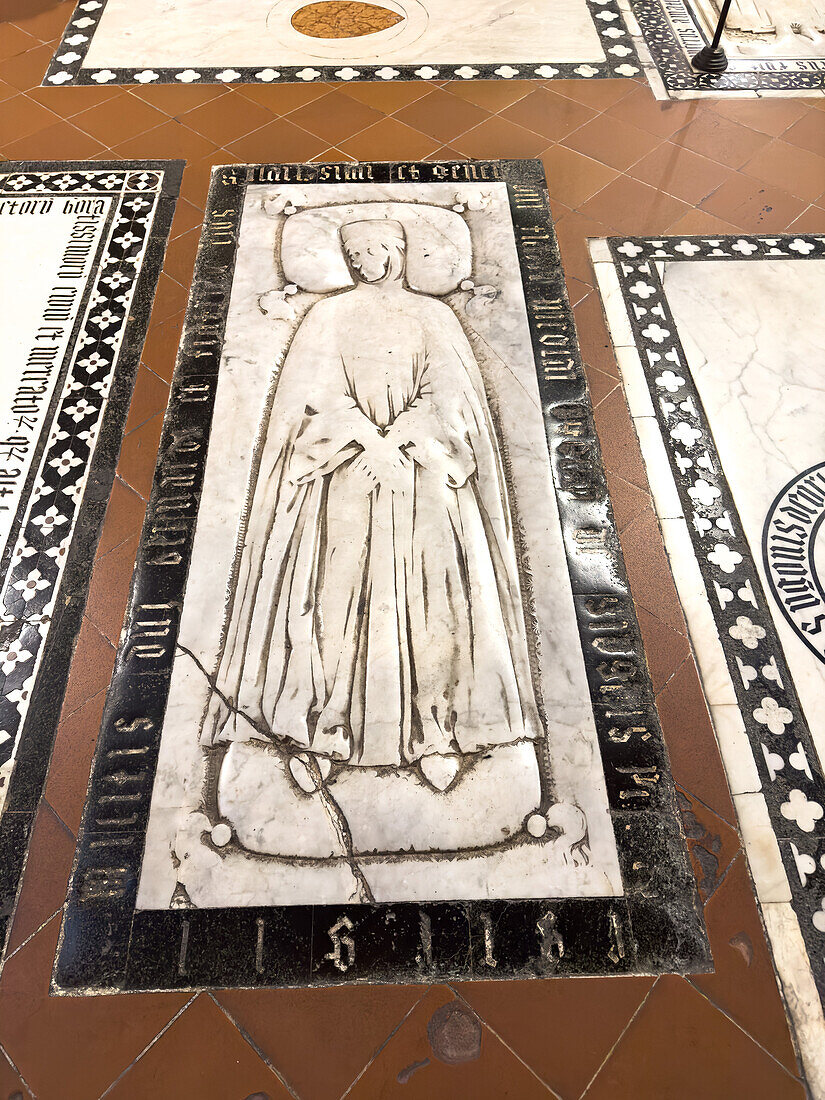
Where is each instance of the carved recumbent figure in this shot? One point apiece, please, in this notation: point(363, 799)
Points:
point(374, 681)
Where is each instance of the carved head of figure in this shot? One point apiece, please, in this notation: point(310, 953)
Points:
point(375, 249)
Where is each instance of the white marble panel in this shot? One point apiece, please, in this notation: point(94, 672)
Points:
point(754, 336)
point(173, 33)
point(386, 792)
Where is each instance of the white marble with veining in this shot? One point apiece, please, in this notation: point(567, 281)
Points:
point(171, 33)
point(396, 796)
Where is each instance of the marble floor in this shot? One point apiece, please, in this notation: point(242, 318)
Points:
point(618, 163)
point(117, 41)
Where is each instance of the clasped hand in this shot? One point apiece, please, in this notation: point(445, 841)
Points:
point(382, 463)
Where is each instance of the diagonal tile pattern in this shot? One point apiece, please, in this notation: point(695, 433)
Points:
point(617, 162)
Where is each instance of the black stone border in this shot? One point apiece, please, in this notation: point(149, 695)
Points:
point(66, 67)
point(673, 62)
point(108, 946)
point(52, 638)
point(713, 522)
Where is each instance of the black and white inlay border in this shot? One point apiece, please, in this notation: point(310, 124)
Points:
point(673, 35)
point(47, 561)
point(783, 750)
point(67, 66)
point(656, 925)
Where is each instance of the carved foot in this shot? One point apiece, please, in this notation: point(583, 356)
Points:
point(440, 772)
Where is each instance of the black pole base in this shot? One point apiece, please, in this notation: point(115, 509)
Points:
point(710, 60)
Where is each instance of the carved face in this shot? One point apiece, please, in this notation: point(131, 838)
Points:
point(375, 249)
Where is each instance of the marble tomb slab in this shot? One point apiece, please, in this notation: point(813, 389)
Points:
point(81, 247)
point(721, 344)
point(773, 48)
point(173, 41)
point(380, 710)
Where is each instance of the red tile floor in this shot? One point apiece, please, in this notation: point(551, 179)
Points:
point(617, 162)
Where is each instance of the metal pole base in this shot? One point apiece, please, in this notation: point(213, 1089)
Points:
point(710, 60)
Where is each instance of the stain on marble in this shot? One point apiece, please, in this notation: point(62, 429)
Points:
point(80, 251)
point(343, 19)
point(390, 683)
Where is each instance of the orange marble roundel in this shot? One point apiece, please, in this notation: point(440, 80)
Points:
point(343, 19)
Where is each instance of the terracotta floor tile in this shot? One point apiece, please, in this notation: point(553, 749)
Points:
point(13, 40)
point(91, 667)
point(48, 863)
point(755, 209)
point(679, 172)
point(71, 761)
point(225, 1064)
point(562, 1028)
point(21, 116)
point(171, 139)
point(291, 142)
point(46, 21)
point(573, 178)
point(124, 517)
point(386, 96)
point(446, 152)
point(613, 142)
point(170, 298)
point(599, 384)
point(711, 135)
point(573, 230)
point(60, 141)
point(68, 102)
point(496, 137)
point(628, 500)
point(598, 94)
point(744, 983)
point(701, 222)
point(694, 752)
point(665, 648)
point(26, 70)
point(180, 257)
point(443, 115)
point(808, 133)
point(117, 120)
point(109, 592)
point(409, 1067)
point(187, 216)
point(176, 99)
point(335, 117)
point(161, 345)
point(679, 1047)
point(546, 112)
point(493, 95)
point(620, 447)
point(280, 99)
point(150, 396)
point(811, 220)
point(790, 168)
point(767, 116)
point(138, 454)
point(332, 156)
point(12, 1084)
point(712, 842)
point(332, 1034)
point(226, 118)
point(657, 117)
point(646, 560)
point(389, 139)
point(628, 206)
point(594, 340)
point(90, 1040)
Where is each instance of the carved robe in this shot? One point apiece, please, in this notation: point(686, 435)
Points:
point(377, 626)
